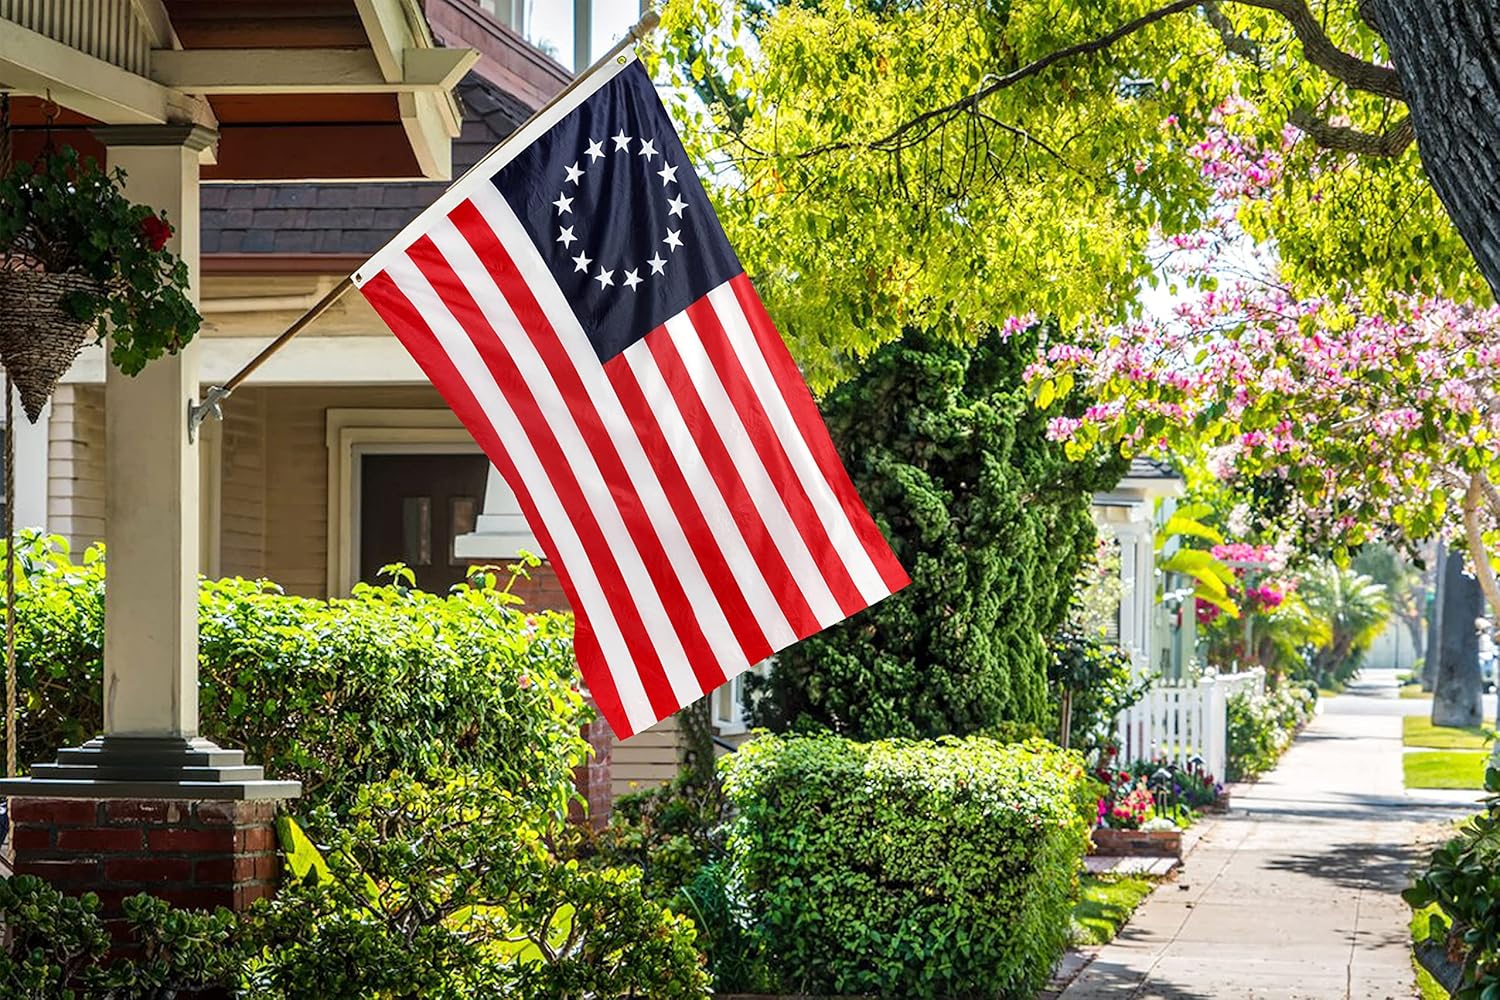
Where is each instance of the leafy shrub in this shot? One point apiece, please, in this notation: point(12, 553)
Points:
point(334, 693)
point(987, 515)
point(1463, 880)
point(910, 869)
point(57, 946)
point(1092, 683)
point(1261, 727)
point(449, 890)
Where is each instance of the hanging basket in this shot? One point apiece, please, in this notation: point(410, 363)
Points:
point(39, 338)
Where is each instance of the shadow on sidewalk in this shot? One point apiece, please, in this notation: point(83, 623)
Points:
point(1384, 867)
point(1105, 978)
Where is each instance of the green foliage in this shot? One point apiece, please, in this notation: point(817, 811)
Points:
point(1261, 727)
point(1350, 611)
point(57, 947)
point(988, 517)
point(910, 869)
point(1463, 879)
point(450, 890)
point(333, 693)
point(856, 236)
point(67, 215)
point(1092, 683)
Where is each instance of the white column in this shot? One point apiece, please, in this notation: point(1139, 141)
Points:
point(152, 501)
point(31, 467)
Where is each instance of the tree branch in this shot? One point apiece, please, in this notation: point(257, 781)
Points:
point(1392, 142)
point(1474, 534)
point(1322, 53)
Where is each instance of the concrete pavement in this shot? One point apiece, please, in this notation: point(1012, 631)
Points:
point(1294, 894)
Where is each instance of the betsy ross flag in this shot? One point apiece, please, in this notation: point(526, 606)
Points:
point(576, 303)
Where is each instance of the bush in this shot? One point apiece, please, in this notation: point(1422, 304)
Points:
point(1463, 880)
point(1261, 727)
point(1091, 682)
point(990, 519)
point(451, 891)
point(910, 869)
point(333, 693)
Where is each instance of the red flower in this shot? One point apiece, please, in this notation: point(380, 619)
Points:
point(155, 231)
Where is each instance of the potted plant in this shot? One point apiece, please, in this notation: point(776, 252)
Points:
point(78, 259)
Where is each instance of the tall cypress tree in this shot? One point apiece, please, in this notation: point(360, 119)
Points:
point(989, 518)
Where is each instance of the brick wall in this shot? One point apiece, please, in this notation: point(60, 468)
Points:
point(192, 853)
point(593, 778)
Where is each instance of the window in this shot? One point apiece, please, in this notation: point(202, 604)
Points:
point(729, 700)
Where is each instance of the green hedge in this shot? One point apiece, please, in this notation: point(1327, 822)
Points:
point(910, 869)
point(334, 693)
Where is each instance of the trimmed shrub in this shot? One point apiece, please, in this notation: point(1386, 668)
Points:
point(333, 693)
point(1261, 727)
point(988, 516)
point(910, 869)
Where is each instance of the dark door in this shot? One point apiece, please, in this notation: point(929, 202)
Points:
point(412, 507)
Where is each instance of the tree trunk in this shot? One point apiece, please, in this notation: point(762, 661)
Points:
point(1435, 622)
point(1447, 53)
point(1457, 699)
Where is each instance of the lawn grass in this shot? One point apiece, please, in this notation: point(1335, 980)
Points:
point(1105, 902)
point(1418, 731)
point(1427, 987)
point(1332, 692)
point(1414, 690)
point(1444, 769)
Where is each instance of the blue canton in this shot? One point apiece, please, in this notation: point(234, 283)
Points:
point(613, 205)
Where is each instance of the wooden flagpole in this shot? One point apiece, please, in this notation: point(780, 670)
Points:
point(209, 407)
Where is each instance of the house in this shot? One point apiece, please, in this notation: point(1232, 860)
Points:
point(1158, 634)
point(182, 95)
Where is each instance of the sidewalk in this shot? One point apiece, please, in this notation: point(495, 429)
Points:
point(1296, 893)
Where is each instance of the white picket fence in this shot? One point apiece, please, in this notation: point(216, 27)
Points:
point(1183, 721)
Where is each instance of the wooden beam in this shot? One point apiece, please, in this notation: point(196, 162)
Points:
point(390, 33)
point(307, 71)
point(32, 63)
point(153, 14)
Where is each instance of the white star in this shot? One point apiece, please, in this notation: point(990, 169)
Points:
point(668, 175)
point(656, 263)
point(632, 278)
point(675, 207)
point(647, 149)
point(604, 278)
point(595, 150)
point(563, 203)
point(672, 240)
point(574, 173)
point(581, 263)
point(565, 236)
point(622, 141)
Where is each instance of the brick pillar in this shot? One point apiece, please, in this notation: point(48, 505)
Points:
point(593, 778)
point(194, 853)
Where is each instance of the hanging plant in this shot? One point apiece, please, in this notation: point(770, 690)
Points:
point(78, 258)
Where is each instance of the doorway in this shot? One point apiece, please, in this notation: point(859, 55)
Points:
point(412, 507)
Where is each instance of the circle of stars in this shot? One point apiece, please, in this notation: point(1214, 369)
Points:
point(671, 241)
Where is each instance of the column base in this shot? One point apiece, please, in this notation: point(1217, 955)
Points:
point(135, 767)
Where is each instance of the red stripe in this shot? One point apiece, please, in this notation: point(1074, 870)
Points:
point(763, 548)
point(472, 225)
point(767, 441)
point(804, 410)
point(674, 484)
point(393, 306)
point(455, 295)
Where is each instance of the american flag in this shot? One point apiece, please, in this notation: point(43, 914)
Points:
point(576, 303)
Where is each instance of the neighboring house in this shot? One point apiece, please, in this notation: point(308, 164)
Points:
point(337, 457)
point(1159, 636)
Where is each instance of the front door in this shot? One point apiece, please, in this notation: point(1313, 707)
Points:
point(411, 507)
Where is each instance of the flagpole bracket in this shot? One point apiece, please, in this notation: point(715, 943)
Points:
point(199, 412)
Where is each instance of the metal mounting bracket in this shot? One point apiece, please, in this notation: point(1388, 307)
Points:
point(199, 412)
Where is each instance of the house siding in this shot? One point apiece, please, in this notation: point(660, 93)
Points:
point(243, 486)
point(648, 759)
point(75, 465)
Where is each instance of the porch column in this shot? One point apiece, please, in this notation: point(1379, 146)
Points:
point(151, 482)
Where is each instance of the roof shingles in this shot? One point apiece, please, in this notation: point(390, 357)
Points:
point(356, 218)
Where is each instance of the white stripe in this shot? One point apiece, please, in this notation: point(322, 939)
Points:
point(711, 501)
point(758, 482)
point(472, 369)
point(478, 176)
point(598, 491)
point(742, 340)
point(748, 577)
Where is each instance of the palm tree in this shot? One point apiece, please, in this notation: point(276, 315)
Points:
point(1352, 610)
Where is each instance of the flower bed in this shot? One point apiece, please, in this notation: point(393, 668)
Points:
point(1137, 843)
